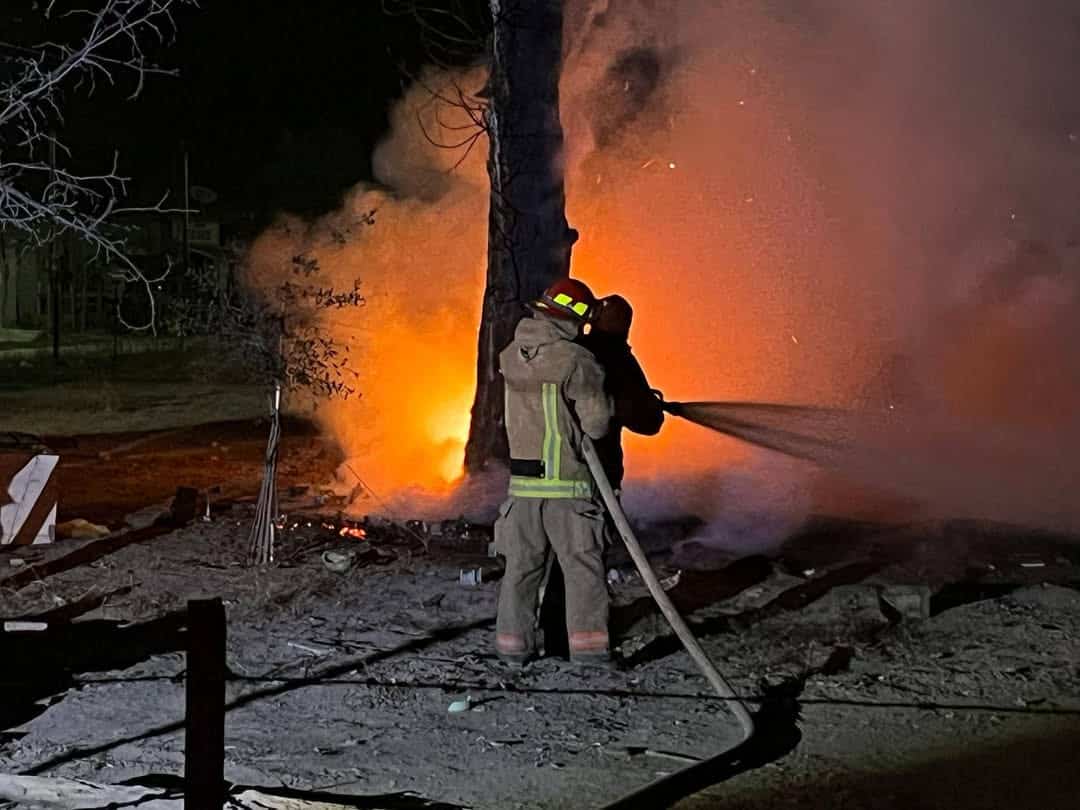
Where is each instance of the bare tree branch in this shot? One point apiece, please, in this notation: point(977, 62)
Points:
point(40, 200)
point(452, 32)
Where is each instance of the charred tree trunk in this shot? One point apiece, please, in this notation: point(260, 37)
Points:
point(529, 241)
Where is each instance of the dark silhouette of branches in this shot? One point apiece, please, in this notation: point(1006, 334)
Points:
point(454, 37)
point(454, 96)
point(453, 33)
point(40, 200)
point(276, 335)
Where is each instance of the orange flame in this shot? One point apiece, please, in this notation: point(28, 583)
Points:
point(717, 262)
point(750, 215)
point(448, 429)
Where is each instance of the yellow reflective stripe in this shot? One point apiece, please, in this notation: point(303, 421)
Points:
point(530, 488)
point(551, 485)
point(552, 437)
point(549, 434)
point(524, 487)
point(581, 308)
point(562, 299)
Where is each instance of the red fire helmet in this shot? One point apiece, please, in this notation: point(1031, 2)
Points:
point(567, 298)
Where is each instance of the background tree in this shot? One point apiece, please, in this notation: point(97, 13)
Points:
point(278, 333)
point(529, 240)
point(42, 197)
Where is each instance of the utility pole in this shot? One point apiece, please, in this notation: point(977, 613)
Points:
point(187, 215)
point(54, 271)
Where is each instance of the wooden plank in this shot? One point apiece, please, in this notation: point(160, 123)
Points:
point(73, 610)
point(167, 523)
point(77, 794)
point(28, 497)
point(92, 551)
point(73, 794)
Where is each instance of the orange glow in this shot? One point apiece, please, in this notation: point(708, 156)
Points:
point(778, 240)
point(719, 285)
point(413, 343)
point(352, 531)
point(448, 428)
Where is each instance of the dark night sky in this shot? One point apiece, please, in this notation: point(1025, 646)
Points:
point(280, 103)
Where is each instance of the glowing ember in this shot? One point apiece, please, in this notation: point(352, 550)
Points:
point(352, 531)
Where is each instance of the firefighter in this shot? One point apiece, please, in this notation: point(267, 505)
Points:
point(554, 396)
point(637, 408)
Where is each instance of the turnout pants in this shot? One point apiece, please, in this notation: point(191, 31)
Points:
point(553, 598)
point(527, 532)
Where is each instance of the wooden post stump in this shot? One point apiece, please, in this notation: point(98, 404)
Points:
point(204, 740)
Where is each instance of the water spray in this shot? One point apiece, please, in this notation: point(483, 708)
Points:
point(807, 432)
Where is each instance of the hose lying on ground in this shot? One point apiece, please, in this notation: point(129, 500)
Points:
point(708, 669)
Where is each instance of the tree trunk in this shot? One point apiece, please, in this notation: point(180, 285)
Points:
point(529, 241)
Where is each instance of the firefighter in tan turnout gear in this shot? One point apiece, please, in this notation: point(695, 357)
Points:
point(554, 396)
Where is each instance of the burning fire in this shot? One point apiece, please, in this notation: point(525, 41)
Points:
point(762, 266)
point(352, 531)
point(708, 322)
point(448, 428)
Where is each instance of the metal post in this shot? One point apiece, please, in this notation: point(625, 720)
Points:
point(204, 741)
point(54, 271)
point(187, 215)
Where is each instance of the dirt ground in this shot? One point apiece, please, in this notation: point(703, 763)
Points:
point(928, 666)
point(130, 431)
point(343, 681)
point(103, 477)
point(131, 393)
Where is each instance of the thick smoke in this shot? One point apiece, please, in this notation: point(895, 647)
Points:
point(868, 205)
point(421, 266)
point(815, 201)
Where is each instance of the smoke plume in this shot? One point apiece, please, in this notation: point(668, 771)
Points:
point(816, 201)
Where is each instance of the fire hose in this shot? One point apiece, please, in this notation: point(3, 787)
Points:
point(663, 601)
point(805, 432)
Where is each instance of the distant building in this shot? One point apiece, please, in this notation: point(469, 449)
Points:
point(25, 289)
point(89, 288)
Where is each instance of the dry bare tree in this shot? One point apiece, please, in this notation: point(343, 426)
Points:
point(276, 330)
point(452, 33)
point(105, 46)
point(286, 339)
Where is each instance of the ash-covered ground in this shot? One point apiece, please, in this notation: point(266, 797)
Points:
point(343, 681)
